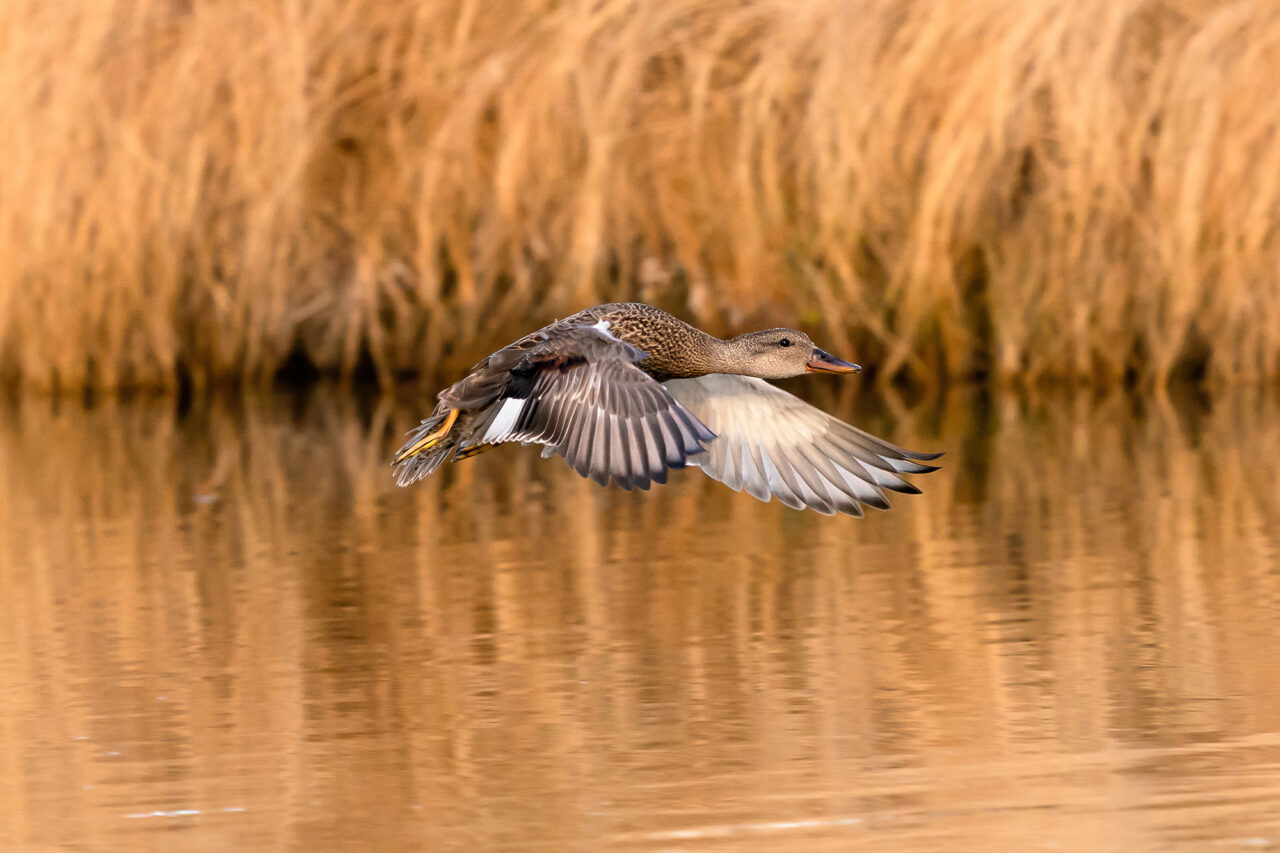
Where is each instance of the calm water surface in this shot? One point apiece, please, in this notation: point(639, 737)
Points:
point(230, 631)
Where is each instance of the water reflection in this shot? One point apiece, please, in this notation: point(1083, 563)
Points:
point(230, 630)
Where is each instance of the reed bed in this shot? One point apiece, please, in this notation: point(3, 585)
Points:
point(1041, 190)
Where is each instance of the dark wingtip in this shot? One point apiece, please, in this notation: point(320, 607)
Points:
point(879, 502)
point(852, 508)
point(907, 466)
point(923, 457)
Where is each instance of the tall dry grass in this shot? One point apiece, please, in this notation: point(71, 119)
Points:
point(1037, 189)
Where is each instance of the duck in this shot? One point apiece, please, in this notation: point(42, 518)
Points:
point(626, 392)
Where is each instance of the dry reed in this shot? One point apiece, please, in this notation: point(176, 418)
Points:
point(1032, 189)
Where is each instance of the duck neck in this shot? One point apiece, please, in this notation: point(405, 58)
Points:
point(724, 356)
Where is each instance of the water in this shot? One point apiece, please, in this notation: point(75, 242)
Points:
point(230, 631)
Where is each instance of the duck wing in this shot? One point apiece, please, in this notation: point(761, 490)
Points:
point(580, 393)
point(770, 442)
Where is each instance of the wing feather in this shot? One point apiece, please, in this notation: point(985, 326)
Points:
point(773, 444)
point(587, 401)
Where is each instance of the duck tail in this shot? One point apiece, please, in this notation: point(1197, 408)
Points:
point(430, 444)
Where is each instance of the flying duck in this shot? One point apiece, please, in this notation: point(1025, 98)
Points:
point(625, 391)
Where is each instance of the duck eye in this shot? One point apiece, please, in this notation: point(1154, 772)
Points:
point(785, 342)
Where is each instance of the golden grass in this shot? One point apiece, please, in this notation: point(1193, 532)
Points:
point(1036, 189)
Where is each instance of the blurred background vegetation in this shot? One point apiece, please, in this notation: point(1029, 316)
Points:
point(1032, 190)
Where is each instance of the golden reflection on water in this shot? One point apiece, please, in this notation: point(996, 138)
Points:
point(231, 631)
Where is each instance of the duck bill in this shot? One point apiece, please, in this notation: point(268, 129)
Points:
point(825, 362)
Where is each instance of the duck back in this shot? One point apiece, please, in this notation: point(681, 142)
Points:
point(675, 349)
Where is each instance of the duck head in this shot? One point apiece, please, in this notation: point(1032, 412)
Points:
point(780, 353)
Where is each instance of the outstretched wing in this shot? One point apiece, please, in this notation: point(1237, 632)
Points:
point(581, 395)
point(772, 442)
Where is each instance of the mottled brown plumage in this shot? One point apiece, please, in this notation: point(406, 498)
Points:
point(626, 391)
point(674, 348)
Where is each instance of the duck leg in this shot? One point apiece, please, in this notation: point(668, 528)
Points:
point(473, 450)
point(430, 440)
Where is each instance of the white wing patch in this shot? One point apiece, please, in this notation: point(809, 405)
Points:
point(603, 328)
point(505, 421)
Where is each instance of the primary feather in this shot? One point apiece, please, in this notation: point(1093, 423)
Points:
point(770, 442)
